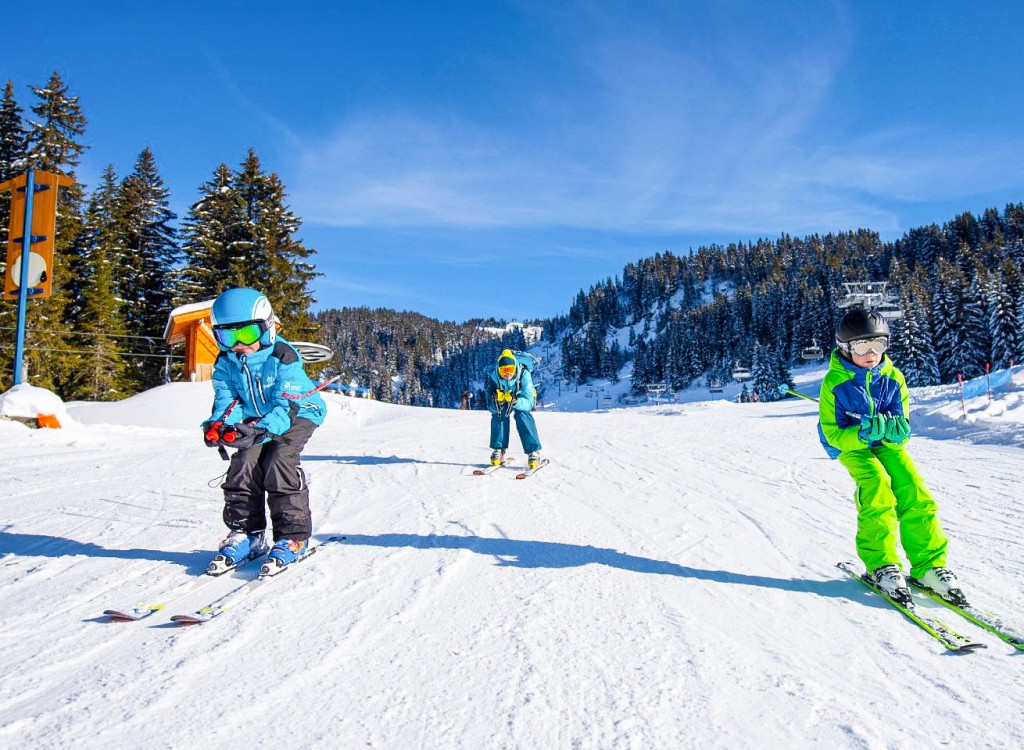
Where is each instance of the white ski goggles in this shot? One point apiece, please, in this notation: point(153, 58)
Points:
point(862, 347)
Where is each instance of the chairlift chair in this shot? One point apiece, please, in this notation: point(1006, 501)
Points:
point(890, 310)
point(812, 353)
point(739, 374)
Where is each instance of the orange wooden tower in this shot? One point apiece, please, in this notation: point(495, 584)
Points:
point(190, 325)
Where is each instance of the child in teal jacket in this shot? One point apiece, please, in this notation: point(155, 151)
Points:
point(864, 422)
point(510, 393)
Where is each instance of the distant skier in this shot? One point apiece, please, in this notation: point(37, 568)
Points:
point(510, 392)
point(864, 421)
point(262, 408)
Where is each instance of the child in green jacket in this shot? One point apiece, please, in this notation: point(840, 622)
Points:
point(864, 421)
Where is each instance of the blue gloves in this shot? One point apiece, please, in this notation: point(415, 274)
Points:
point(891, 429)
point(897, 431)
point(521, 404)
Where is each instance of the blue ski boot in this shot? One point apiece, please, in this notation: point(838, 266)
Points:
point(237, 547)
point(283, 554)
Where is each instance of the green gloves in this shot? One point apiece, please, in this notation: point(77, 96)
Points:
point(893, 429)
point(872, 429)
point(897, 430)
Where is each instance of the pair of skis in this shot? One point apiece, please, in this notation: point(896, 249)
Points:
point(505, 462)
point(935, 627)
point(218, 606)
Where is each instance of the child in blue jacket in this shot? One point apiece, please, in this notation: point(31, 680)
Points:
point(510, 392)
point(264, 407)
point(864, 422)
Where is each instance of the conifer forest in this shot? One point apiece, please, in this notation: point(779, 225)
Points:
point(124, 260)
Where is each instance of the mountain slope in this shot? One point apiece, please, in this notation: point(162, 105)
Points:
point(667, 582)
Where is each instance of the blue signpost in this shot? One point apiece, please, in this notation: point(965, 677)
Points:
point(26, 252)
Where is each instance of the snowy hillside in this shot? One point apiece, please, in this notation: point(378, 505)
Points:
point(667, 582)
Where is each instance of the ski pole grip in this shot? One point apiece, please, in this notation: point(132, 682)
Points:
point(229, 436)
point(213, 434)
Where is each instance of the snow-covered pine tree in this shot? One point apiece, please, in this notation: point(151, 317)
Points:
point(277, 262)
point(977, 336)
point(148, 254)
point(1005, 301)
point(209, 233)
point(241, 233)
point(948, 332)
point(914, 350)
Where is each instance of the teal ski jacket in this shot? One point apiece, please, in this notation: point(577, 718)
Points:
point(260, 381)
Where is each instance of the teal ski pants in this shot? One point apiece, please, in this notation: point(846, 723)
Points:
point(894, 505)
point(525, 425)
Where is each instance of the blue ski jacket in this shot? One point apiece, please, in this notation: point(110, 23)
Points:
point(520, 386)
point(850, 393)
point(259, 382)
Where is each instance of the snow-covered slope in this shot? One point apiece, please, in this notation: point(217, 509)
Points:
point(668, 582)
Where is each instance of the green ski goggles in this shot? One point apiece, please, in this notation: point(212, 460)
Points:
point(246, 334)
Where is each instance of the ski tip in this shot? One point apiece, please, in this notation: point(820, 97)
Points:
point(116, 616)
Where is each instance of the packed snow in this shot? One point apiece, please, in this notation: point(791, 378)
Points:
point(668, 581)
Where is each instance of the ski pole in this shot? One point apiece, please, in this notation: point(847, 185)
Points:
point(214, 435)
point(783, 388)
point(786, 389)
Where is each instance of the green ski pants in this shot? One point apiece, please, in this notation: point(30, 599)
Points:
point(893, 504)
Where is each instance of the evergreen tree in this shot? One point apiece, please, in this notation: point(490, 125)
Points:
point(53, 146)
point(209, 234)
point(913, 350)
point(977, 334)
point(12, 163)
point(12, 156)
point(271, 252)
point(102, 371)
point(148, 256)
point(241, 233)
point(948, 329)
point(1004, 305)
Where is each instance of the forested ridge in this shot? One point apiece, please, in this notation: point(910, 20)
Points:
point(124, 260)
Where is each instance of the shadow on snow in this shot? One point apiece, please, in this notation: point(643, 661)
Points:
point(526, 554)
point(57, 546)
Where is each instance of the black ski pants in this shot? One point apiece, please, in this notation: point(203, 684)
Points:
point(269, 474)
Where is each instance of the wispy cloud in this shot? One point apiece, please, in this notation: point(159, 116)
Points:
point(654, 135)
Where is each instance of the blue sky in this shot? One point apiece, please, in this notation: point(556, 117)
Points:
point(476, 159)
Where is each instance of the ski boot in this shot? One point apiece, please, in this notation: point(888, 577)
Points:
point(497, 457)
point(283, 554)
point(944, 583)
point(890, 579)
point(533, 460)
point(237, 547)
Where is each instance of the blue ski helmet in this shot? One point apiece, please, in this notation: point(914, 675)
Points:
point(235, 310)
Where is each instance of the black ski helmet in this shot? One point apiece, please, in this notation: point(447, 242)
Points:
point(859, 323)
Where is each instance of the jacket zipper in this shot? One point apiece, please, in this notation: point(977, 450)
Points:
point(254, 388)
point(867, 388)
